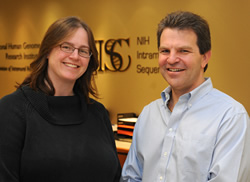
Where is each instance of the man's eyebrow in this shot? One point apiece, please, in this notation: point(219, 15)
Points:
point(180, 47)
point(163, 47)
point(186, 47)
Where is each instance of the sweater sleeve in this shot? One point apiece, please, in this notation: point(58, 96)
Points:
point(12, 133)
point(118, 172)
point(108, 125)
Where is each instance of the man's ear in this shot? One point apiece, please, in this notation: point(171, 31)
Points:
point(205, 58)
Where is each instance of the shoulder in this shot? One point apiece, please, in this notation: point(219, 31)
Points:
point(223, 109)
point(229, 103)
point(97, 107)
point(13, 99)
point(95, 104)
point(12, 108)
point(99, 113)
point(153, 106)
point(150, 113)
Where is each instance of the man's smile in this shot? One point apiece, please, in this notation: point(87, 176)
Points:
point(174, 69)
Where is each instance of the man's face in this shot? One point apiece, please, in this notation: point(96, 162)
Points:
point(180, 61)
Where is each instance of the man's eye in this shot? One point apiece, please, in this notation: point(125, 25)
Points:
point(165, 51)
point(184, 51)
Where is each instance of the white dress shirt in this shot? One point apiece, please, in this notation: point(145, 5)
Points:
point(205, 138)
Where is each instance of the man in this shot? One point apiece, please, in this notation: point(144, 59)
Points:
point(194, 133)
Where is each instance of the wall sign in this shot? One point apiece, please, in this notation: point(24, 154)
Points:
point(116, 60)
point(115, 55)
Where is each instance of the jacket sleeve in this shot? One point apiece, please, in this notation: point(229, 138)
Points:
point(12, 129)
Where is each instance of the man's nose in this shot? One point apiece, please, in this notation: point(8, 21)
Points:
point(173, 57)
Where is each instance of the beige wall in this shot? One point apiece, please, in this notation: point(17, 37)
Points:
point(129, 91)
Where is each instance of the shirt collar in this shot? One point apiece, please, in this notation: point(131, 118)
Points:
point(165, 95)
point(192, 96)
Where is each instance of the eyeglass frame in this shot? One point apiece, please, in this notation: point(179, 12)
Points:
point(73, 49)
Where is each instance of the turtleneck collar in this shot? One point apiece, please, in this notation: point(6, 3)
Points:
point(58, 110)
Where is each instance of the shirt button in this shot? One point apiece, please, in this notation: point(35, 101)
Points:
point(161, 177)
point(170, 129)
point(165, 154)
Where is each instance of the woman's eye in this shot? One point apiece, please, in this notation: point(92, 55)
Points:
point(83, 51)
point(66, 47)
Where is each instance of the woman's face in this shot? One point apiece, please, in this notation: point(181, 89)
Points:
point(65, 67)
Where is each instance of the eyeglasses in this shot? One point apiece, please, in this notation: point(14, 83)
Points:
point(83, 52)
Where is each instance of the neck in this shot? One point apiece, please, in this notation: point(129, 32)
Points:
point(64, 89)
point(64, 93)
point(173, 99)
point(176, 94)
point(172, 102)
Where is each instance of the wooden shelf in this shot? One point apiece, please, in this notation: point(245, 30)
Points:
point(122, 150)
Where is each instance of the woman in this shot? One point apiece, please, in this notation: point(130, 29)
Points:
point(50, 129)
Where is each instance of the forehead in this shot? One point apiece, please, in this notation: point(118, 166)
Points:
point(178, 36)
point(76, 31)
point(78, 36)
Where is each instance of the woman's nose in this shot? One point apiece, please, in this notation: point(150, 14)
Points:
point(74, 54)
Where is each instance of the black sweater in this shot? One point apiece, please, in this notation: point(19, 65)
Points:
point(55, 139)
